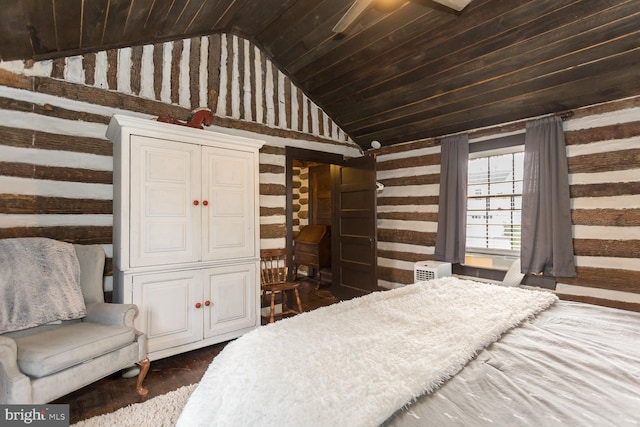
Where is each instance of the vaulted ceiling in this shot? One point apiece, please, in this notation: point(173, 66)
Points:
point(417, 71)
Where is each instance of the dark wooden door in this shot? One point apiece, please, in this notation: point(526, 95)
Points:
point(320, 198)
point(354, 228)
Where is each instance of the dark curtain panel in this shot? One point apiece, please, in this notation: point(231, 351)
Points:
point(452, 208)
point(547, 245)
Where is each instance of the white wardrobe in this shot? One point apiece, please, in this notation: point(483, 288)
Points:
point(186, 232)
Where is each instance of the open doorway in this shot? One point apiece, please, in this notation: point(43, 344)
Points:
point(300, 213)
point(331, 201)
point(312, 219)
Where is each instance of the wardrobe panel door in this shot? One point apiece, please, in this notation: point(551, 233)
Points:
point(165, 202)
point(230, 295)
point(228, 229)
point(170, 308)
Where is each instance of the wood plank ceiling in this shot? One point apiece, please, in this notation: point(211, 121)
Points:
point(415, 72)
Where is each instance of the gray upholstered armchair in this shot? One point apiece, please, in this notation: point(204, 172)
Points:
point(45, 352)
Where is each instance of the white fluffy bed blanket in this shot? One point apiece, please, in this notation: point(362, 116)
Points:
point(355, 363)
point(39, 283)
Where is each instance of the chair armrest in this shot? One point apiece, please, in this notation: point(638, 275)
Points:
point(111, 314)
point(15, 387)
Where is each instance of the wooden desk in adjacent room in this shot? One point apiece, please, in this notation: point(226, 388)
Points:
point(312, 248)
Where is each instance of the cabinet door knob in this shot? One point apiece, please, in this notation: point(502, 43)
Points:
point(198, 305)
point(207, 303)
point(195, 203)
point(205, 203)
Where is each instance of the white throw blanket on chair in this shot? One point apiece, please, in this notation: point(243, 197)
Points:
point(355, 363)
point(39, 283)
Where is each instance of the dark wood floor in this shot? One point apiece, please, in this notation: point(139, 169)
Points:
point(115, 392)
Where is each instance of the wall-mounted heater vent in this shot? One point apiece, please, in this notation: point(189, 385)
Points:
point(428, 270)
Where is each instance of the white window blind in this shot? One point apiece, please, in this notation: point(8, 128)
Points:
point(494, 203)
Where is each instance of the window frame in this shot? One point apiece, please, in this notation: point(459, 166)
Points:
point(496, 146)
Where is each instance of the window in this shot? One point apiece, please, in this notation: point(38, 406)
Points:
point(494, 201)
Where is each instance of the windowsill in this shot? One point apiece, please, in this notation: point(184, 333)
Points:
point(478, 279)
point(478, 272)
point(496, 272)
point(489, 261)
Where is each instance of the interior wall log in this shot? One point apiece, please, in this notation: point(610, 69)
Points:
point(18, 81)
point(136, 69)
point(605, 278)
point(274, 169)
point(605, 190)
point(603, 162)
point(273, 190)
point(395, 275)
point(194, 69)
point(266, 211)
point(112, 69)
point(603, 133)
point(28, 204)
point(409, 200)
point(176, 56)
point(615, 217)
point(89, 67)
point(408, 162)
point(158, 60)
point(404, 256)
point(26, 170)
point(87, 235)
point(433, 178)
point(405, 236)
point(28, 138)
point(272, 231)
point(410, 216)
point(607, 248)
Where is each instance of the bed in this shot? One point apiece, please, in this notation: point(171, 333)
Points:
point(443, 352)
point(574, 364)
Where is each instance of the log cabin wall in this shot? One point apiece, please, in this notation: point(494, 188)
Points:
point(604, 177)
point(300, 198)
point(56, 163)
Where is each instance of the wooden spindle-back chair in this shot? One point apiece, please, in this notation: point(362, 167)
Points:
point(273, 280)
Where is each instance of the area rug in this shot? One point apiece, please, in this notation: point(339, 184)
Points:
point(161, 411)
point(356, 362)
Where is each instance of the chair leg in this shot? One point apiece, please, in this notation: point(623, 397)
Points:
point(144, 368)
point(297, 294)
point(273, 307)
